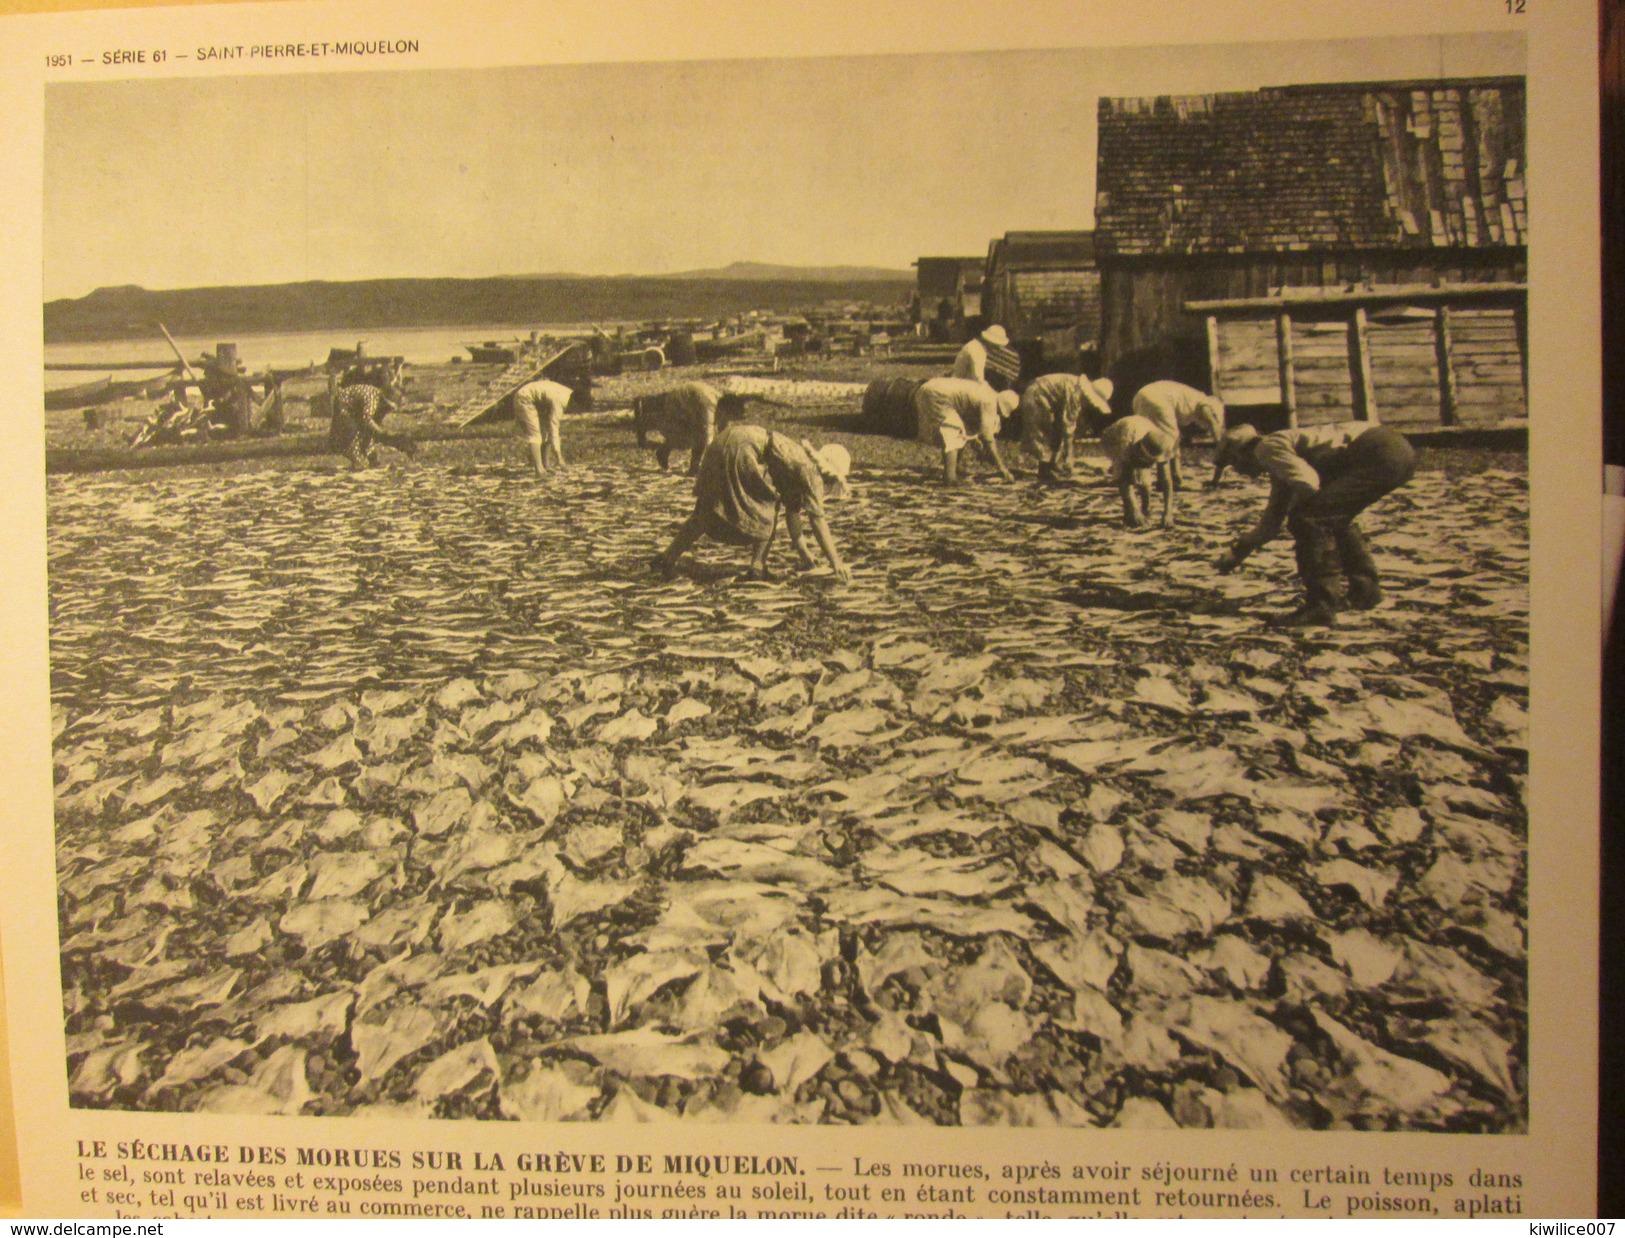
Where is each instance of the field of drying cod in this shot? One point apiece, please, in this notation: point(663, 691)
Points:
point(413, 792)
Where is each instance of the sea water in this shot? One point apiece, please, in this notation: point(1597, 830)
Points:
point(287, 350)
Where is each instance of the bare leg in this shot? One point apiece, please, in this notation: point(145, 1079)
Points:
point(534, 448)
point(758, 558)
point(1127, 491)
point(950, 467)
point(687, 535)
point(1169, 488)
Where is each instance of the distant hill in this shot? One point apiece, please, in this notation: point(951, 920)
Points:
point(523, 301)
point(771, 271)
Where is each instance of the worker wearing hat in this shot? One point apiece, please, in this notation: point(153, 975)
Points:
point(1050, 410)
point(1321, 478)
point(750, 475)
point(971, 362)
point(1134, 447)
point(952, 413)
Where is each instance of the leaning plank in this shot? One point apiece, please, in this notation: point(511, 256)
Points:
point(485, 401)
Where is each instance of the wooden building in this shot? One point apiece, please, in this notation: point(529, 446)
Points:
point(1044, 289)
point(1332, 250)
point(948, 298)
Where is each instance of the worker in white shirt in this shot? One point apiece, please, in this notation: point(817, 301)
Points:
point(538, 408)
point(971, 362)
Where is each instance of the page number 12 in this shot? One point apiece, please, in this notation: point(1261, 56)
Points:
point(1515, 6)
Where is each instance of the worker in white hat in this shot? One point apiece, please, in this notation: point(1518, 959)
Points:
point(1050, 410)
point(971, 362)
point(748, 476)
point(953, 413)
point(1135, 447)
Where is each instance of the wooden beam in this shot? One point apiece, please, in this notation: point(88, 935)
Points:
point(1365, 399)
point(1283, 361)
point(1213, 374)
point(1421, 294)
point(1444, 357)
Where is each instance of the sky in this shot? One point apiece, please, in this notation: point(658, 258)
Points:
point(619, 169)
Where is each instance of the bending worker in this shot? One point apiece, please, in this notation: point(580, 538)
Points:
point(953, 412)
point(1134, 446)
point(687, 418)
point(1321, 478)
point(1178, 409)
point(1050, 410)
point(538, 408)
point(747, 475)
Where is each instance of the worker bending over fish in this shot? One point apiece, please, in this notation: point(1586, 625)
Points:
point(1177, 409)
point(1321, 478)
point(748, 474)
point(538, 411)
point(359, 408)
point(687, 418)
point(954, 412)
point(1050, 410)
point(1135, 447)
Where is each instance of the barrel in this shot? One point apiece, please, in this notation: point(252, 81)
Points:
point(888, 407)
point(680, 349)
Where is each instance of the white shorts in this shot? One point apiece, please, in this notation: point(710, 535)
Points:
point(531, 425)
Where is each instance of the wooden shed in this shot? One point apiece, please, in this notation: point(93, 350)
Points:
point(1417, 356)
point(1246, 203)
point(948, 298)
point(1044, 287)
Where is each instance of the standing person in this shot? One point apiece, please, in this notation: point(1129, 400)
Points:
point(1321, 478)
point(748, 475)
point(1050, 410)
point(945, 408)
point(1178, 409)
point(538, 408)
point(687, 417)
point(971, 362)
point(1134, 446)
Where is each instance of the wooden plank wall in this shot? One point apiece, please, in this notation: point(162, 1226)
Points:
point(1142, 301)
point(1489, 365)
point(1249, 367)
point(1320, 362)
point(1425, 366)
point(1405, 367)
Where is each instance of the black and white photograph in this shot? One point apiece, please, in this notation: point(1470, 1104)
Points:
point(983, 589)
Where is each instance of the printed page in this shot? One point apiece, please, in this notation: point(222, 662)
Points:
point(1152, 774)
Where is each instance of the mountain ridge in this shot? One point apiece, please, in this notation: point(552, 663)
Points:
point(130, 312)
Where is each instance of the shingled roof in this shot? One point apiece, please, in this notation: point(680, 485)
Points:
point(1044, 251)
point(941, 277)
point(1374, 165)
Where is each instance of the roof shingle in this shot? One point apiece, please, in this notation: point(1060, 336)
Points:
point(1325, 167)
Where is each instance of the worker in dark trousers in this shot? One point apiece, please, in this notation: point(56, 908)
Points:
point(1321, 479)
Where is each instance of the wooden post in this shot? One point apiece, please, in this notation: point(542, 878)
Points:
point(1520, 322)
point(1365, 399)
point(1284, 369)
point(1444, 356)
point(1213, 355)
